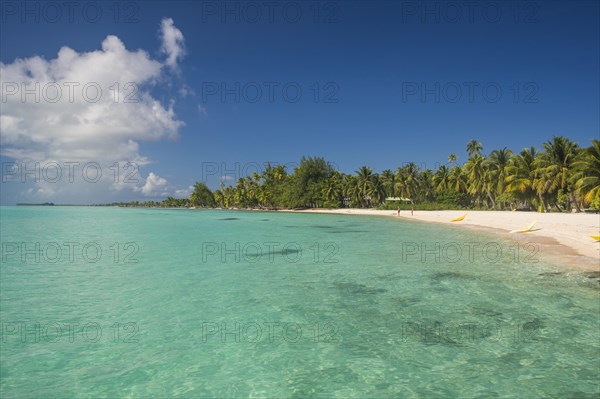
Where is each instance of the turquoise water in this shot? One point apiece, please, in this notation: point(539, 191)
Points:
point(250, 304)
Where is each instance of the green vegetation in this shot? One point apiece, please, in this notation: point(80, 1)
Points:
point(202, 196)
point(561, 177)
point(170, 202)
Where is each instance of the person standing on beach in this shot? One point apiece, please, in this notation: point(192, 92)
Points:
point(398, 214)
point(412, 209)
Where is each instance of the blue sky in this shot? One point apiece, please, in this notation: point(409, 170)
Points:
point(382, 83)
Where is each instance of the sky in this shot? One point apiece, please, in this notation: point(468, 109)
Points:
point(118, 101)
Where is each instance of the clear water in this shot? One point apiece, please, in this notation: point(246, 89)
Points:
point(362, 316)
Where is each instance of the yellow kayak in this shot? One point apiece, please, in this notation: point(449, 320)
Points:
point(597, 238)
point(459, 218)
point(525, 229)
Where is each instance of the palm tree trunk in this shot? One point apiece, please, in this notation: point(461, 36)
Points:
point(575, 202)
point(544, 205)
point(558, 206)
point(491, 200)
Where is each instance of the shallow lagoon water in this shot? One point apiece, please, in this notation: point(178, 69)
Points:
point(250, 304)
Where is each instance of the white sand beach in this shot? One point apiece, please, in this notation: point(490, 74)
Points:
point(559, 235)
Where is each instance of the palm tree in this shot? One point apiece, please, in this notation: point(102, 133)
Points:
point(457, 180)
point(333, 190)
point(407, 180)
point(425, 186)
point(452, 158)
point(264, 196)
point(555, 166)
point(388, 181)
point(228, 193)
point(474, 147)
point(219, 198)
point(521, 176)
point(498, 163)
point(375, 191)
point(252, 189)
point(441, 179)
point(475, 171)
point(364, 175)
point(279, 173)
point(587, 173)
point(489, 184)
point(239, 195)
point(352, 190)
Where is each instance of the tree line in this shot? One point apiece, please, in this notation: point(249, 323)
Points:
point(562, 176)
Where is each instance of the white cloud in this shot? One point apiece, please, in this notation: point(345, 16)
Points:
point(183, 193)
point(172, 42)
point(202, 110)
point(154, 186)
point(86, 107)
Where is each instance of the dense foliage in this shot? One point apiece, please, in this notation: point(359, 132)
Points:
point(562, 177)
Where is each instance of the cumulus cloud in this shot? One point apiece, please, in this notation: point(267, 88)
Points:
point(154, 186)
point(172, 42)
point(86, 107)
point(90, 105)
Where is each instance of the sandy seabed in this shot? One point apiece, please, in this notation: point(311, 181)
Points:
point(562, 237)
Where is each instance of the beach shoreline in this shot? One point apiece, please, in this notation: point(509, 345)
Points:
point(562, 238)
